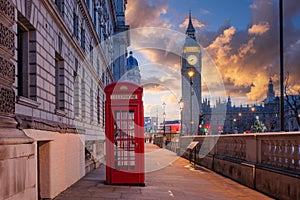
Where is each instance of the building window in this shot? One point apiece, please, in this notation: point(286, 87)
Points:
point(60, 5)
point(98, 106)
point(99, 28)
point(83, 97)
point(23, 62)
point(91, 54)
point(59, 82)
point(77, 98)
point(92, 103)
point(88, 4)
point(75, 25)
point(76, 68)
point(98, 66)
point(103, 76)
point(76, 90)
point(83, 37)
point(95, 14)
point(25, 78)
point(103, 111)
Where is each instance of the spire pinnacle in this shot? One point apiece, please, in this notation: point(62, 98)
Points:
point(190, 29)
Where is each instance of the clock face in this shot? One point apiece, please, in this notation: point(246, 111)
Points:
point(192, 59)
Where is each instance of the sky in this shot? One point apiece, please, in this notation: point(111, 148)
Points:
point(240, 39)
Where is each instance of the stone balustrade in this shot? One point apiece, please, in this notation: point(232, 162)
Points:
point(281, 151)
point(267, 162)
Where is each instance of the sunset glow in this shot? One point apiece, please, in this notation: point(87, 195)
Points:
point(243, 46)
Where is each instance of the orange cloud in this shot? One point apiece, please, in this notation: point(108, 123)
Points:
point(245, 58)
point(196, 23)
point(141, 13)
point(223, 39)
point(259, 29)
point(237, 74)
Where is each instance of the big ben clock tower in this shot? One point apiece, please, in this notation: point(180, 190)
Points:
point(191, 65)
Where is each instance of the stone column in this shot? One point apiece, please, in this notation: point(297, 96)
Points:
point(17, 162)
point(7, 68)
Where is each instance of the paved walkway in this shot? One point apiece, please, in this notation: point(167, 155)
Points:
point(167, 177)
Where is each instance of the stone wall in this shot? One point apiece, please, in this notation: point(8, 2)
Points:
point(269, 163)
point(17, 165)
point(60, 159)
point(17, 151)
point(52, 79)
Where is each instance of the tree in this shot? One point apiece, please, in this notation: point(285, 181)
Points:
point(258, 126)
point(293, 100)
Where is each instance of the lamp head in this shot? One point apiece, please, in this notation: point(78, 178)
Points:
point(181, 103)
point(191, 73)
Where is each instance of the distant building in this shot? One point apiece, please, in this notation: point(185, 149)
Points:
point(56, 58)
point(191, 61)
point(239, 119)
point(121, 40)
point(133, 73)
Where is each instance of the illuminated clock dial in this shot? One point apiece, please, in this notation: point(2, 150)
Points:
point(192, 59)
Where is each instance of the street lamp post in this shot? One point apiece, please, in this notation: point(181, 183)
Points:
point(298, 121)
point(191, 73)
point(181, 105)
point(253, 109)
point(240, 124)
point(281, 56)
point(234, 125)
point(156, 121)
point(164, 118)
point(164, 125)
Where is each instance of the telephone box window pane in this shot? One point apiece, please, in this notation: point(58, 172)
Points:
point(124, 140)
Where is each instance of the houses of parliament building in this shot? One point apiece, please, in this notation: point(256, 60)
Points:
point(239, 119)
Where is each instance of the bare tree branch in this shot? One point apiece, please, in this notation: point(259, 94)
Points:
point(293, 100)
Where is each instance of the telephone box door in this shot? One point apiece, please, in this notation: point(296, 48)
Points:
point(125, 141)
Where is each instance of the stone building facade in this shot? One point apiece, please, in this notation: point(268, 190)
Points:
point(133, 73)
point(56, 57)
point(191, 86)
point(239, 119)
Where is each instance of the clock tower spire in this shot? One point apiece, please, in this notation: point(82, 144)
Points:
point(191, 65)
point(190, 31)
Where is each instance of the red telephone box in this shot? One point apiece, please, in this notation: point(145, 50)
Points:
point(124, 134)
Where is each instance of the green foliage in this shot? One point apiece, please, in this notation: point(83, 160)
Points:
point(258, 127)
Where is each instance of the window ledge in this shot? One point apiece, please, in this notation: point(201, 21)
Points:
point(60, 112)
point(28, 102)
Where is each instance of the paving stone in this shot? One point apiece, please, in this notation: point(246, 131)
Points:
point(172, 178)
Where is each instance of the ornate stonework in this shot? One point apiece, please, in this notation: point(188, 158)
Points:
point(26, 122)
point(7, 10)
point(7, 70)
point(7, 101)
point(7, 38)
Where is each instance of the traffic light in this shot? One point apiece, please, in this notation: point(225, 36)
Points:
point(206, 127)
point(201, 119)
point(200, 125)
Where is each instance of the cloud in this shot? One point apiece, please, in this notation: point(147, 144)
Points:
point(259, 29)
point(293, 65)
point(169, 99)
point(220, 47)
point(143, 13)
point(223, 39)
point(204, 12)
point(196, 23)
point(246, 59)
